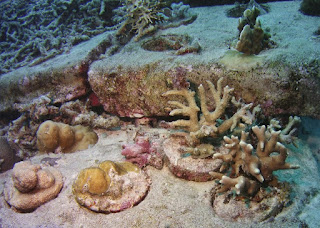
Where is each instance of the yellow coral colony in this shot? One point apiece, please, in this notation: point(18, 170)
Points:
point(111, 186)
point(52, 136)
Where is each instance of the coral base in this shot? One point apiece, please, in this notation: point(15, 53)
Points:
point(235, 208)
point(187, 167)
point(135, 192)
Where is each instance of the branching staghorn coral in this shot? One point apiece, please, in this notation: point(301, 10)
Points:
point(286, 134)
point(251, 168)
point(246, 164)
point(209, 124)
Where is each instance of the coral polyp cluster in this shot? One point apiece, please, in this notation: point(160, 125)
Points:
point(142, 17)
point(111, 186)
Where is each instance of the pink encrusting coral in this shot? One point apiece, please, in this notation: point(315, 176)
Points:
point(143, 153)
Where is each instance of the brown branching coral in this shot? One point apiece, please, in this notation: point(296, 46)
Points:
point(252, 38)
point(287, 134)
point(238, 164)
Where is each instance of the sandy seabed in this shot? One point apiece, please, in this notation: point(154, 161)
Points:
point(171, 202)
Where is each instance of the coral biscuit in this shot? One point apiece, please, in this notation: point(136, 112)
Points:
point(111, 187)
point(31, 186)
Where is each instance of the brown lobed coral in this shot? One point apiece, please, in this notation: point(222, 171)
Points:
point(111, 186)
point(31, 186)
point(252, 38)
point(52, 136)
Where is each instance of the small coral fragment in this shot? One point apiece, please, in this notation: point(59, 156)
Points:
point(252, 38)
point(52, 136)
point(143, 17)
point(31, 186)
point(111, 186)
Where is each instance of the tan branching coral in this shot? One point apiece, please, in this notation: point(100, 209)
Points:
point(254, 166)
point(191, 110)
point(240, 184)
point(209, 124)
point(52, 136)
point(111, 187)
point(31, 186)
point(286, 134)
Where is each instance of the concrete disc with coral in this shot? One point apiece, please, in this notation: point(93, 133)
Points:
point(266, 204)
point(187, 167)
point(39, 185)
point(115, 190)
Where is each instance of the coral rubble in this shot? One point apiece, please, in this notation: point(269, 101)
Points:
point(111, 187)
point(182, 44)
point(52, 136)
point(31, 186)
point(35, 31)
